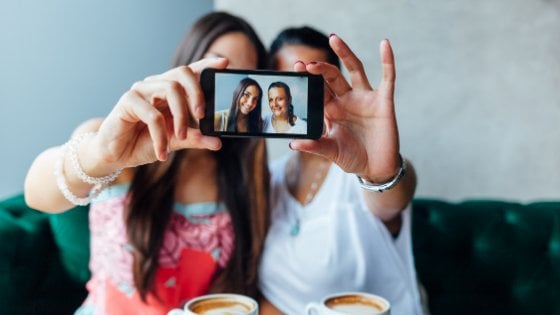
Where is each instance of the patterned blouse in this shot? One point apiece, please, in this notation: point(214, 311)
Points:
point(198, 242)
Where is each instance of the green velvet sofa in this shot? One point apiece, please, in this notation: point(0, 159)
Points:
point(473, 257)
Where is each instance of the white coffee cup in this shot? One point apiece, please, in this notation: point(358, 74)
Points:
point(347, 303)
point(214, 304)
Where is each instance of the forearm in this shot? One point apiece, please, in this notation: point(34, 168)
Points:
point(388, 204)
point(41, 190)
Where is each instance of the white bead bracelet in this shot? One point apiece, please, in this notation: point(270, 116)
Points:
point(72, 151)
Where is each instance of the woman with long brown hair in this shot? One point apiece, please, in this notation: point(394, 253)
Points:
point(174, 214)
point(244, 113)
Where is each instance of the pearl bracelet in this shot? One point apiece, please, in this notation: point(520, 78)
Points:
point(367, 185)
point(72, 152)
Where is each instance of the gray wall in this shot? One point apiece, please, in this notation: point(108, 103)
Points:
point(478, 82)
point(64, 61)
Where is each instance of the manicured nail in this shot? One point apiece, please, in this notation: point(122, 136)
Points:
point(199, 113)
point(290, 146)
point(163, 155)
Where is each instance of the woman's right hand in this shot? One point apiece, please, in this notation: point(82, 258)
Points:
point(156, 116)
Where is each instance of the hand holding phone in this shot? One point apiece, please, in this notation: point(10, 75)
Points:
point(257, 103)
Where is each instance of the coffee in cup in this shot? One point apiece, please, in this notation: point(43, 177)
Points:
point(346, 303)
point(214, 304)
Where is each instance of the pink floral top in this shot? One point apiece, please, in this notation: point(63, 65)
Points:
point(198, 242)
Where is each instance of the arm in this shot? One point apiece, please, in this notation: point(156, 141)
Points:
point(362, 135)
point(154, 117)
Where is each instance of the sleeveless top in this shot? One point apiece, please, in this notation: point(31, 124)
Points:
point(334, 244)
point(198, 242)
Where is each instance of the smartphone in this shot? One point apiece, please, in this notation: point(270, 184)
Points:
point(258, 103)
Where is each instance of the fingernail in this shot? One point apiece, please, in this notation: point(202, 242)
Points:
point(313, 63)
point(299, 61)
point(163, 155)
point(199, 113)
point(331, 35)
point(290, 146)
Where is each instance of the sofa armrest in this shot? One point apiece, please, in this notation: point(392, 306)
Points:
point(33, 275)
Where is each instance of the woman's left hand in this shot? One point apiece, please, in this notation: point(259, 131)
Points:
point(361, 133)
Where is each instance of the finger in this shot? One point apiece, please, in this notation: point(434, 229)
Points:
point(218, 63)
point(173, 93)
point(351, 62)
point(189, 77)
point(387, 84)
point(300, 66)
point(138, 109)
point(196, 140)
point(190, 82)
point(332, 75)
point(324, 147)
point(197, 67)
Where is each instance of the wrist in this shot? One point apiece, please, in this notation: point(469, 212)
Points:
point(89, 158)
point(388, 184)
point(90, 186)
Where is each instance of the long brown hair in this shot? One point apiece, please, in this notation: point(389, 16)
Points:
point(254, 119)
point(242, 178)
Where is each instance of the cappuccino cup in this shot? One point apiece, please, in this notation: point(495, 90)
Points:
point(219, 304)
point(350, 303)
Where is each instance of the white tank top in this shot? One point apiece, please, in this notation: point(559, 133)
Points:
point(340, 246)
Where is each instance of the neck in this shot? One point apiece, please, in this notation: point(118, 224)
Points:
point(305, 175)
point(280, 123)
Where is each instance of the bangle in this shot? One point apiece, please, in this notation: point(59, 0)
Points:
point(387, 185)
point(72, 152)
point(61, 183)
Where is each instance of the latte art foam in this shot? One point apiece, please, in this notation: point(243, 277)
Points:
point(221, 306)
point(356, 305)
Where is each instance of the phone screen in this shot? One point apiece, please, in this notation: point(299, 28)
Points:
point(245, 103)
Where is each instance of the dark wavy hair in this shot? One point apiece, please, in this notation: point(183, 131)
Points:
point(306, 36)
point(254, 122)
point(242, 178)
point(291, 116)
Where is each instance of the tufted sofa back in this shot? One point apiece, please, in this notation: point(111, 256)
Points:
point(473, 257)
point(488, 257)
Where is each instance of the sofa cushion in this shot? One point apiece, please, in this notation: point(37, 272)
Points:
point(488, 257)
point(25, 242)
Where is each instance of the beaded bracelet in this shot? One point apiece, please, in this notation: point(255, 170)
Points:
point(63, 187)
point(98, 182)
point(72, 152)
point(387, 185)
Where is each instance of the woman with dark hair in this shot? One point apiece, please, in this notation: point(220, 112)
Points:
point(174, 214)
point(244, 114)
point(282, 119)
point(341, 204)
